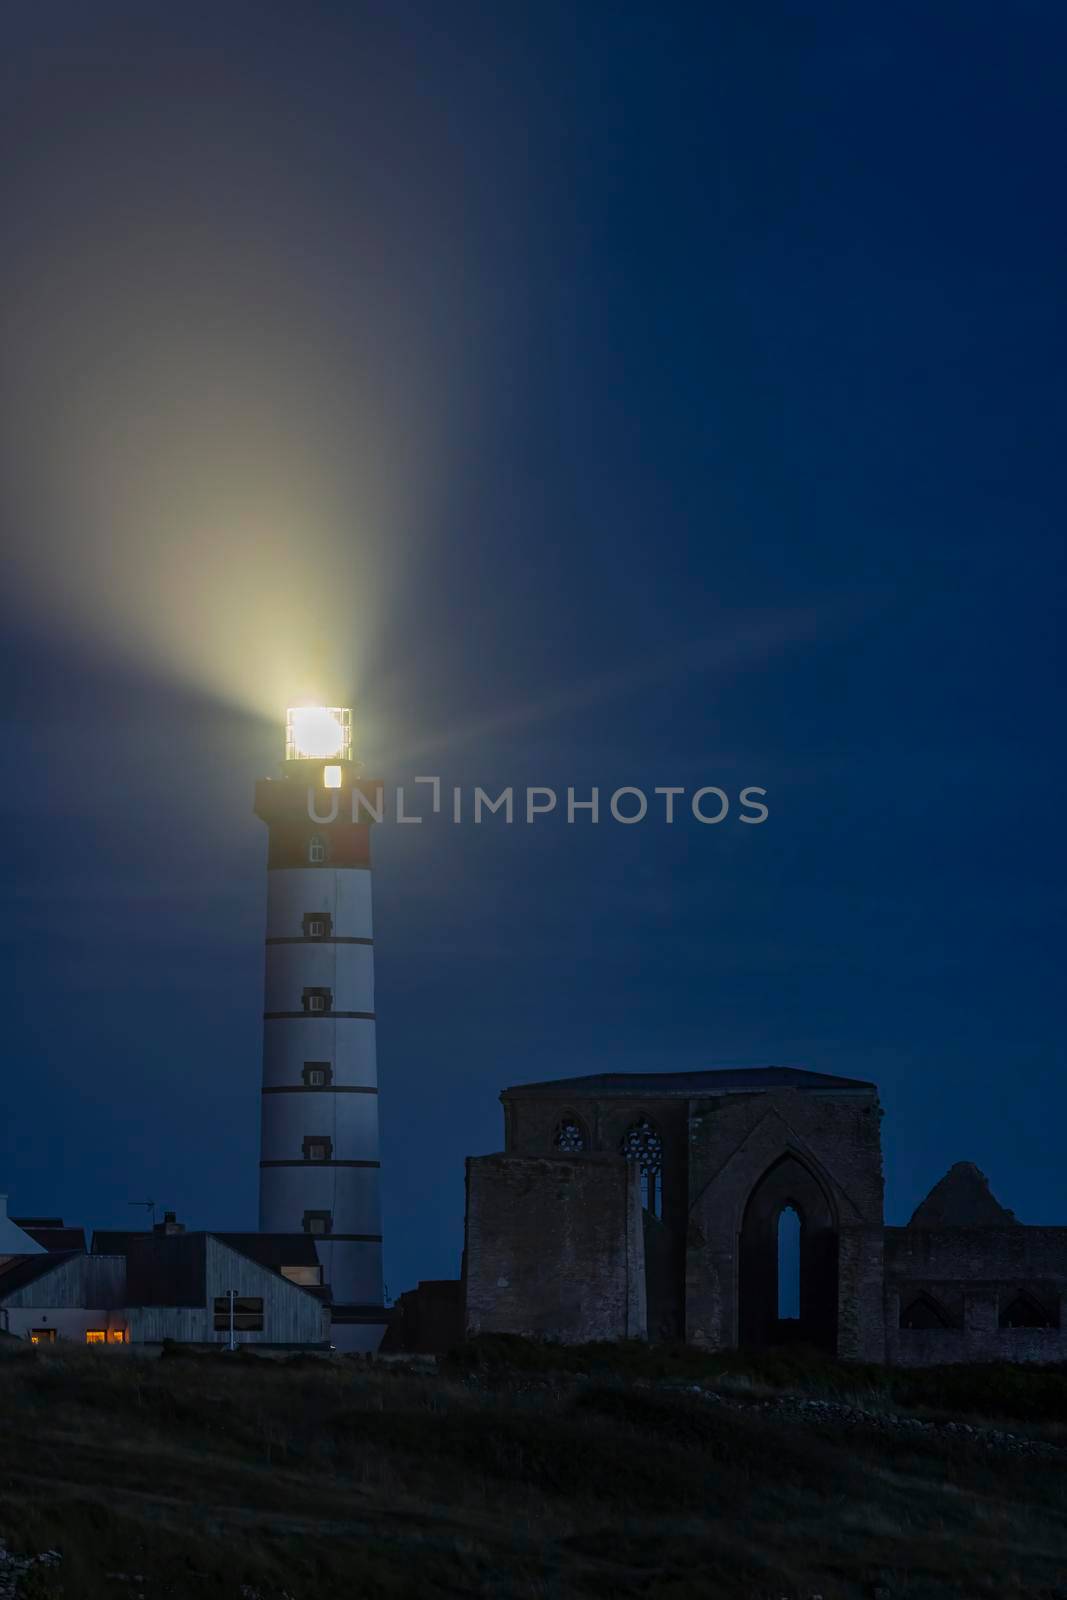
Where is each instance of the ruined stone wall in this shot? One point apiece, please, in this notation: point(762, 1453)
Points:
point(972, 1274)
point(554, 1247)
point(860, 1300)
point(530, 1126)
point(733, 1141)
point(427, 1320)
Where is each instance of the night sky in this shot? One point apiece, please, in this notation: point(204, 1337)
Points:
point(589, 394)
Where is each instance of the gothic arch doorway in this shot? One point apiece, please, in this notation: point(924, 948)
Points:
point(788, 1185)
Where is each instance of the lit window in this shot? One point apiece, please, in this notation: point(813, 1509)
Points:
point(317, 1074)
point(309, 1277)
point(42, 1336)
point(95, 1336)
point(116, 1336)
point(642, 1144)
point(331, 777)
point(317, 1147)
point(317, 924)
point(247, 1314)
point(570, 1136)
point(317, 849)
point(317, 1222)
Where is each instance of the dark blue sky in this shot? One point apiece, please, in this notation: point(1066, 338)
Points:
point(694, 376)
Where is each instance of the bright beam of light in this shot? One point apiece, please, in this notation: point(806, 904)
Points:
point(317, 733)
point(226, 389)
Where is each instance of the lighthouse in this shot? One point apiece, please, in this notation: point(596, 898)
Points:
point(319, 1167)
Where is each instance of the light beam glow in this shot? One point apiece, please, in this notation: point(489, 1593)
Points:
point(252, 438)
point(318, 733)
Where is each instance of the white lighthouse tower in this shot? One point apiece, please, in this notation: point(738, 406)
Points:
point(319, 1167)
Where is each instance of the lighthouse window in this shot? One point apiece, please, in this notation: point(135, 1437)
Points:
point(317, 1147)
point(317, 849)
point(317, 1074)
point(317, 1222)
point(317, 925)
point(317, 1000)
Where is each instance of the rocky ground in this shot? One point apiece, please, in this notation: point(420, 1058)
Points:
point(623, 1474)
point(797, 1408)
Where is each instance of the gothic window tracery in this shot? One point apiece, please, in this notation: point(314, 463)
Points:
point(642, 1143)
point(569, 1136)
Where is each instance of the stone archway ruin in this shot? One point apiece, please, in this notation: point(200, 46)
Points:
point(788, 1182)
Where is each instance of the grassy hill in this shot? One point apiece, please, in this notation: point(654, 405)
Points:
point(521, 1472)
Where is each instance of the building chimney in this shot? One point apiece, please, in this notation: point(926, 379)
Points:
point(169, 1224)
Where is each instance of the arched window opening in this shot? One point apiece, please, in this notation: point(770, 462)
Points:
point(570, 1136)
point(788, 1259)
point(642, 1144)
point(317, 849)
point(789, 1264)
point(1025, 1312)
point(923, 1312)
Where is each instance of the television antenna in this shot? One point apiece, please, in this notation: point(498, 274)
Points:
point(149, 1205)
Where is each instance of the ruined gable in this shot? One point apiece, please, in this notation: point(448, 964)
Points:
point(962, 1199)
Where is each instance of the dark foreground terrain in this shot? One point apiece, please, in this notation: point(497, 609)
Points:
point(633, 1472)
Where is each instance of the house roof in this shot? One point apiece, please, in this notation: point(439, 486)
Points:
point(269, 1249)
point(14, 1241)
point(275, 1250)
point(692, 1085)
point(168, 1269)
point(116, 1241)
point(53, 1236)
point(165, 1269)
point(23, 1270)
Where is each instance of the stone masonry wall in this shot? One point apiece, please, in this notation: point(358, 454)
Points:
point(972, 1274)
point(530, 1125)
point(733, 1141)
point(554, 1248)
